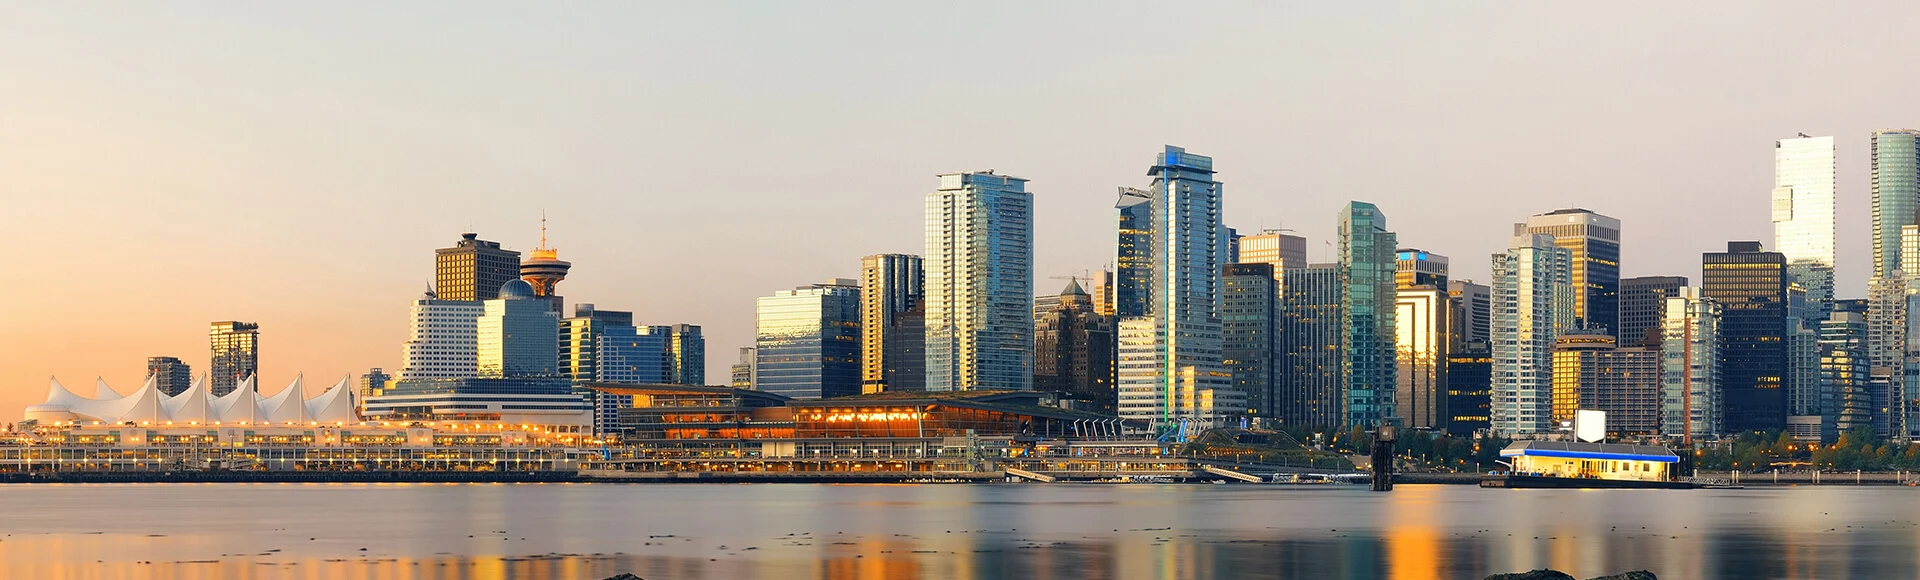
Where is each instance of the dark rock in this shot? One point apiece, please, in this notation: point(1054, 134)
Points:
point(1541, 574)
point(625, 577)
point(1634, 575)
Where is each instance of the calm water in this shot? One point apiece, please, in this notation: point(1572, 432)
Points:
point(666, 531)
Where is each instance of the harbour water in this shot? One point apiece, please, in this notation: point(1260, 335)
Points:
point(667, 531)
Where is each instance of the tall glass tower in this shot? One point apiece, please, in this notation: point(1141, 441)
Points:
point(1532, 305)
point(1752, 285)
point(236, 355)
point(979, 283)
point(1896, 194)
point(1133, 253)
point(808, 341)
point(1803, 218)
point(1368, 265)
point(890, 285)
point(1594, 241)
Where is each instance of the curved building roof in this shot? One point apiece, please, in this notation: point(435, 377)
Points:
point(516, 289)
point(197, 404)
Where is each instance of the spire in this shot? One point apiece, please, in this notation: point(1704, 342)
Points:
point(1073, 288)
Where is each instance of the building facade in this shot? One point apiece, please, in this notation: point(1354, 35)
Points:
point(890, 285)
point(1594, 242)
point(1643, 303)
point(1803, 202)
point(1074, 351)
point(808, 341)
point(473, 269)
point(1845, 383)
point(1469, 389)
point(1532, 305)
point(1367, 268)
point(1275, 247)
point(236, 354)
point(1308, 386)
point(1896, 195)
point(518, 335)
point(1422, 348)
point(979, 269)
point(169, 375)
point(1690, 367)
point(1415, 267)
point(1473, 311)
point(1751, 286)
point(1592, 372)
point(1250, 332)
point(442, 339)
point(580, 340)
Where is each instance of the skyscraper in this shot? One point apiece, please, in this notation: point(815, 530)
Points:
point(372, 383)
point(1896, 195)
point(1250, 332)
point(686, 355)
point(890, 284)
point(1133, 253)
point(169, 375)
point(627, 355)
point(1073, 350)
point(545, 270)
point(1594, 241)
point(1844, 385)
point(1367, 330)
point(1308, 387)
point(442, 339)
point(580, 340)
point(742, 369)
point(518, 335)
point(1691, 401)
point(1889, 301)
point(1532, 305)
point(1473, 312)
point(1414, 267)
point(1469, 389)
point(1282, 250)
point(473, 269)
point(1643, 302)
point(236, 355)
point(1423, 337)
point(1178, 373)
point(1803, 201)
point(1751, 284)
point(979, 272)
point(808, 342)
point(1592, 372)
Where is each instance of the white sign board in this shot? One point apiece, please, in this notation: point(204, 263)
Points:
point(1590, 426)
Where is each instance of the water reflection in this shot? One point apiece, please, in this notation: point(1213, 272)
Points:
point(944, 531)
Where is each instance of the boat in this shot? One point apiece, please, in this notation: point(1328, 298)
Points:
point(1582, 465)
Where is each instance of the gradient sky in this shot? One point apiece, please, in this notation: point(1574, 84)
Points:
point(164, 165)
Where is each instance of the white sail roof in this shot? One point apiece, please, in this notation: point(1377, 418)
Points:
point(335, 405)
point(198, 405)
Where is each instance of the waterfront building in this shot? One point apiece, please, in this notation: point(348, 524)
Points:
point(1307, 391)
point(890, 285)
point(1643, 301)
point(1175, 373)
point(808, 341)
point(544, 270)
point(1896, 196)
point(1751, 285)
point(784, 426)
point(547, 404)
point(1073, 351)
point(1532, 305)
point(1603, 461)
point(1803, 202)
point(473, 269)
point(979, 284)
point(628, 355)
point(1469, 389)
point(373, 382)
point(1275, 247)
point(169, 374)
point(243, 405)
point(1844, 379)
point(742, 369)
point(1367, 329)
point(1691, 397)
point(1473, 311)
point(1592, 372)
point(1423, 339)
point(442, 339)
point(236, 354)
point(580, 340)
point(518, 335)
point(1415, 267)
point(1594, 242)
point(1250, 332)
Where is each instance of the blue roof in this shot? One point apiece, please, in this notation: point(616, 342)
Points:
point(1578, 450)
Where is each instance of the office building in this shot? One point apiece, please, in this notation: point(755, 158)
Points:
point(374, 382)
point(1133, 253)
point(1751, 285)
point(1469, 389)
point(580, 340)
point(473, 269)
point(518, 335)
point(686, 354)
point(742, 369)
point(236, 355)
point(979, 283)
point(627, 355)
point(1473, 312)
point(1803, 202)
point(1281, 250)
point(890, 285)
point(1889, 302)
point(1073, 351)
point(1691, 402)
point(1643, 302)
point(1415, 267)
point(1423, 340)
point(1308, 386)
point(169, 375)
point(1592, 372)
point(1250, 332)
point(1532, 305)
point(1367, 330)
point(1845, 389)
point(808, 341)
point(1896, 195)
point(1594, 242)
point(442, 339)
point(1103, 294)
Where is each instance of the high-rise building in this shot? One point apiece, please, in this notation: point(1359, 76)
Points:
point(1103, 294)
point(442, 339)
point(374, 382)
point(1889, 302)
point(1844, 381)
point(1367, 330)
point(580, 340)
point(1896, 195)
point(1178, 374)
point(1643, 302)
point(236, 355)
point(1532, 305)
point(1308, 387)
point(1073, 350)
point(1803, 201)
point(1133, 253)
point(627, 355)
point(890, 284)
point(1751, 285)
point(1250, 332)
point(979, 271)
point(1594, 240)
point(1414, 267)
point(1282, 250)
point(686, 355)
point(743, 368)
point(1591, 372)
point(473, 269)
point(1473, 312)
point(518, 335)
point(1469, 389)
point(169, 375)
point(1691, 401)
point(808, 342)
point(1423, 339)
point(544, 270)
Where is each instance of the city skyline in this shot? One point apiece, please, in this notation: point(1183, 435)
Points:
point(191, 229)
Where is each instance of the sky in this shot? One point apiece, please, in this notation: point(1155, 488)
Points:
point(165, 165)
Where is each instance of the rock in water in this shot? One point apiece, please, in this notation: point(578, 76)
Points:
point(1541, 574)
point(625, 577)
point(1634, 575)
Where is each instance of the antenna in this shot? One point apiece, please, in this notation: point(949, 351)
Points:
point(543, 229)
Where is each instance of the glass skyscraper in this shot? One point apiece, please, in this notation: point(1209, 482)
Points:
point(236, 355)
point(1249, 329)
point(1803, 219)
point(1752, 285)
point(1133, 253)
point(518, 335)
point(808, 343)
point(1594, 241)
point(1367, 332)
point(1896, 195)
point(979, 269)
point(1691, 404)
point(890, 285)
point(1532, 305)
point(1643, 302)
point(1307, 388)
